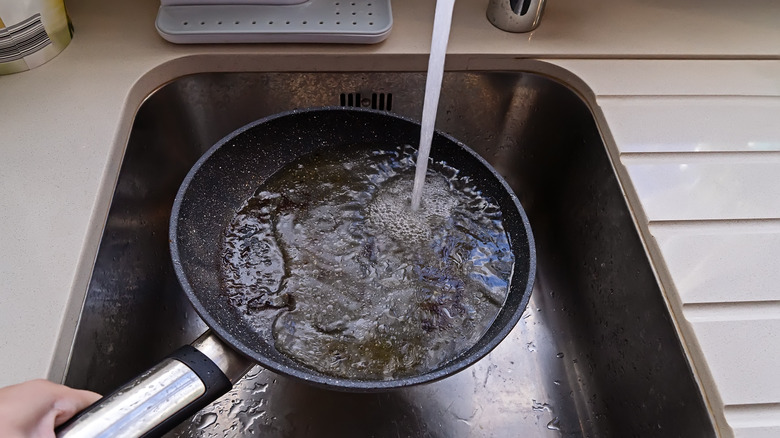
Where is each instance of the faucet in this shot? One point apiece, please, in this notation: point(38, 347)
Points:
point(515, 15)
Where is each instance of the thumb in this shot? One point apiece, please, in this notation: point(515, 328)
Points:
point(70, 401)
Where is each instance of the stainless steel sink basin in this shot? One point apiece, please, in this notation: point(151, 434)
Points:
point(595, 354)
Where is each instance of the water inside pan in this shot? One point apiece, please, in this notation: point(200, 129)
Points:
point(358, 285)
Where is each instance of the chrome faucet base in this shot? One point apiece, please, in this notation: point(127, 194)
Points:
point(515, 15)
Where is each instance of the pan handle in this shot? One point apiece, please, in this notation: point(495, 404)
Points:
point(165, 395)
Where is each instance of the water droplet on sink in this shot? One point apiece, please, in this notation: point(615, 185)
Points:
point(259, 388)
point(557, 382)
point(539, 407)
point(554, 424)
point(254, 372)
point(559, 355)
point(207, 420)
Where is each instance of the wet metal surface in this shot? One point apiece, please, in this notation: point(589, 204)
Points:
point(595, 353)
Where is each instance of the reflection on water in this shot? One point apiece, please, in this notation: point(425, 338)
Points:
point(358, 284)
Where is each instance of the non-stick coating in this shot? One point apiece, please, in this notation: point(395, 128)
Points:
point(232, 170)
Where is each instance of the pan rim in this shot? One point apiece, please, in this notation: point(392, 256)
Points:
point(458, 363)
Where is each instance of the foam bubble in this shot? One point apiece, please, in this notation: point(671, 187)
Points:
point(390, 211)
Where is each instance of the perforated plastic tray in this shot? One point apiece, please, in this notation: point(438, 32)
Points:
point(314, 21)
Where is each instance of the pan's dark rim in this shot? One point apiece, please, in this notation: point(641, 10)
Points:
point(464, 360)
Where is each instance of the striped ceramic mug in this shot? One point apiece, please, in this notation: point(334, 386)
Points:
point(31, 33)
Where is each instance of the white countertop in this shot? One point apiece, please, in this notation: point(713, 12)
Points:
point(689, 93)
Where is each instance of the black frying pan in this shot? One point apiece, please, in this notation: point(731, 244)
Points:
point(230, 172)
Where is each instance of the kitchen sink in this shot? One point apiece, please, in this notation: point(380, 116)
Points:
point(595, 354)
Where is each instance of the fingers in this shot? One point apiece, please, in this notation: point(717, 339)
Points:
point(70, 401)
point(34, 408)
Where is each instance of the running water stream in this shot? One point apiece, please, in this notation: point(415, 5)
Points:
point(329, 259)
point(441, 34)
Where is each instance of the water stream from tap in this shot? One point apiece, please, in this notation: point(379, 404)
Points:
point(441, 35)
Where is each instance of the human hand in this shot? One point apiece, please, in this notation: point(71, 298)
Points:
point(33, 409)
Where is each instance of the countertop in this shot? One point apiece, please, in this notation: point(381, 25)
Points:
point(688, 95)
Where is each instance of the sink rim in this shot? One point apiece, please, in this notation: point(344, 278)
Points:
point(551, 72)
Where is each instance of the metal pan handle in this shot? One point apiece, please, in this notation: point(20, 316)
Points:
point(162, 397)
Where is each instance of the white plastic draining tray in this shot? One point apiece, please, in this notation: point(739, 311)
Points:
point(312, 21)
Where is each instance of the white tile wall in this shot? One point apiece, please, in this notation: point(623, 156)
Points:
point(743, 356)
point(720, 123)
point(712, 186)
point(755, 421)
point(732, 262)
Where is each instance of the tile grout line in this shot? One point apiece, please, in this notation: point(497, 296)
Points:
point(710, 226)
point(732, 311)
point(724, 157)
point(746, 416)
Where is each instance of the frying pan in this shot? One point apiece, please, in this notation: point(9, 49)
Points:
point(215, 188)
